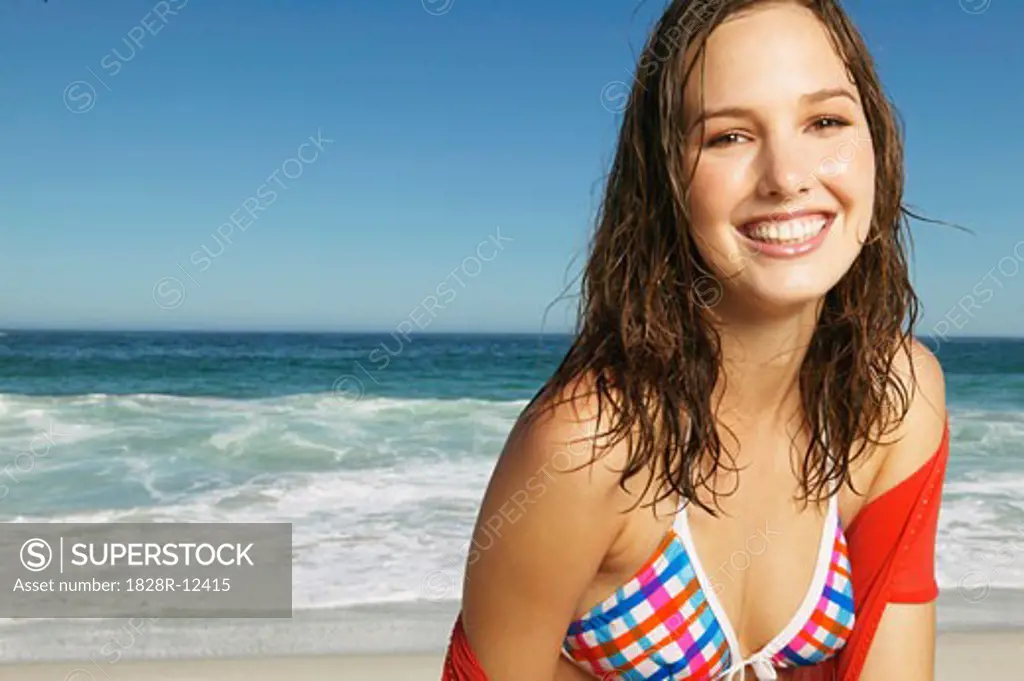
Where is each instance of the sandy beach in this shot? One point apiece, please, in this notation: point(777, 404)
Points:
point(960, 656)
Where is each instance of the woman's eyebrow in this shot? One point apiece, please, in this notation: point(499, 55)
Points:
point(809, 98)
point(828, 93)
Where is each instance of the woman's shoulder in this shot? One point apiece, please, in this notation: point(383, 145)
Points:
point(568, 431)
point(918, 436)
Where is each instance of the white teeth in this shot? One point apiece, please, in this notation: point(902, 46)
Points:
point(788, 231)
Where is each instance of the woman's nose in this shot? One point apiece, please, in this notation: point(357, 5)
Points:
point(783, 170)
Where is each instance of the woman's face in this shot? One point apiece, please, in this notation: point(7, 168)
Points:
point(782, 197)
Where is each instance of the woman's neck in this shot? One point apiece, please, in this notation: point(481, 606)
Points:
point(761, 362)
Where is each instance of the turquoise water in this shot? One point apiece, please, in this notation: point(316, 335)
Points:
point(378, 448)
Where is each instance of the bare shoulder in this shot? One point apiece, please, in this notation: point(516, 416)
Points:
point(565, 436)
point(920, 433)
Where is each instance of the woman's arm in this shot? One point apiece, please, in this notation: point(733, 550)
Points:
point(903, 647)
point(904, 644)
point(540, 537)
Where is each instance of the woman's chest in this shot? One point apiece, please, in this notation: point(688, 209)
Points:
point(766, 567)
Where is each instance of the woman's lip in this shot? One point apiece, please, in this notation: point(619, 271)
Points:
point(790, 250)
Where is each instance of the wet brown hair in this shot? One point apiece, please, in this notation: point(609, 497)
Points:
point(642, 340)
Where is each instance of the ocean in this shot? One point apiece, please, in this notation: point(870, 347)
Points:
point(377, 449)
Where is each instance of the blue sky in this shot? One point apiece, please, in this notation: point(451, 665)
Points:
point(132, 131)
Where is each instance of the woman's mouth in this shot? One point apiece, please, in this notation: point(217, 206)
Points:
point(796, 235)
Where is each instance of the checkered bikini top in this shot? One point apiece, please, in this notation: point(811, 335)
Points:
point(666, 622)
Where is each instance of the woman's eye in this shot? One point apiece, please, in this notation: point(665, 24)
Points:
point(832, 122)
point(721, 140)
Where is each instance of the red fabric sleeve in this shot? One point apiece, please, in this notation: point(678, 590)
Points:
point(892, 555)
point(913, 578)
point(459, 663)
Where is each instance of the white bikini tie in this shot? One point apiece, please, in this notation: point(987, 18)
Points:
point(761, 663)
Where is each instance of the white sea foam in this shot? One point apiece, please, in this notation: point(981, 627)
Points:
point(383, 493)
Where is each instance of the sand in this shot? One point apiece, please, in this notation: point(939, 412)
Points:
point(989, 655)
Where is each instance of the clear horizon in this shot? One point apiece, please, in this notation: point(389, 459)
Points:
point(383, 332)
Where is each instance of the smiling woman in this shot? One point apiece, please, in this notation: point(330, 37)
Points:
point(760, 163)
